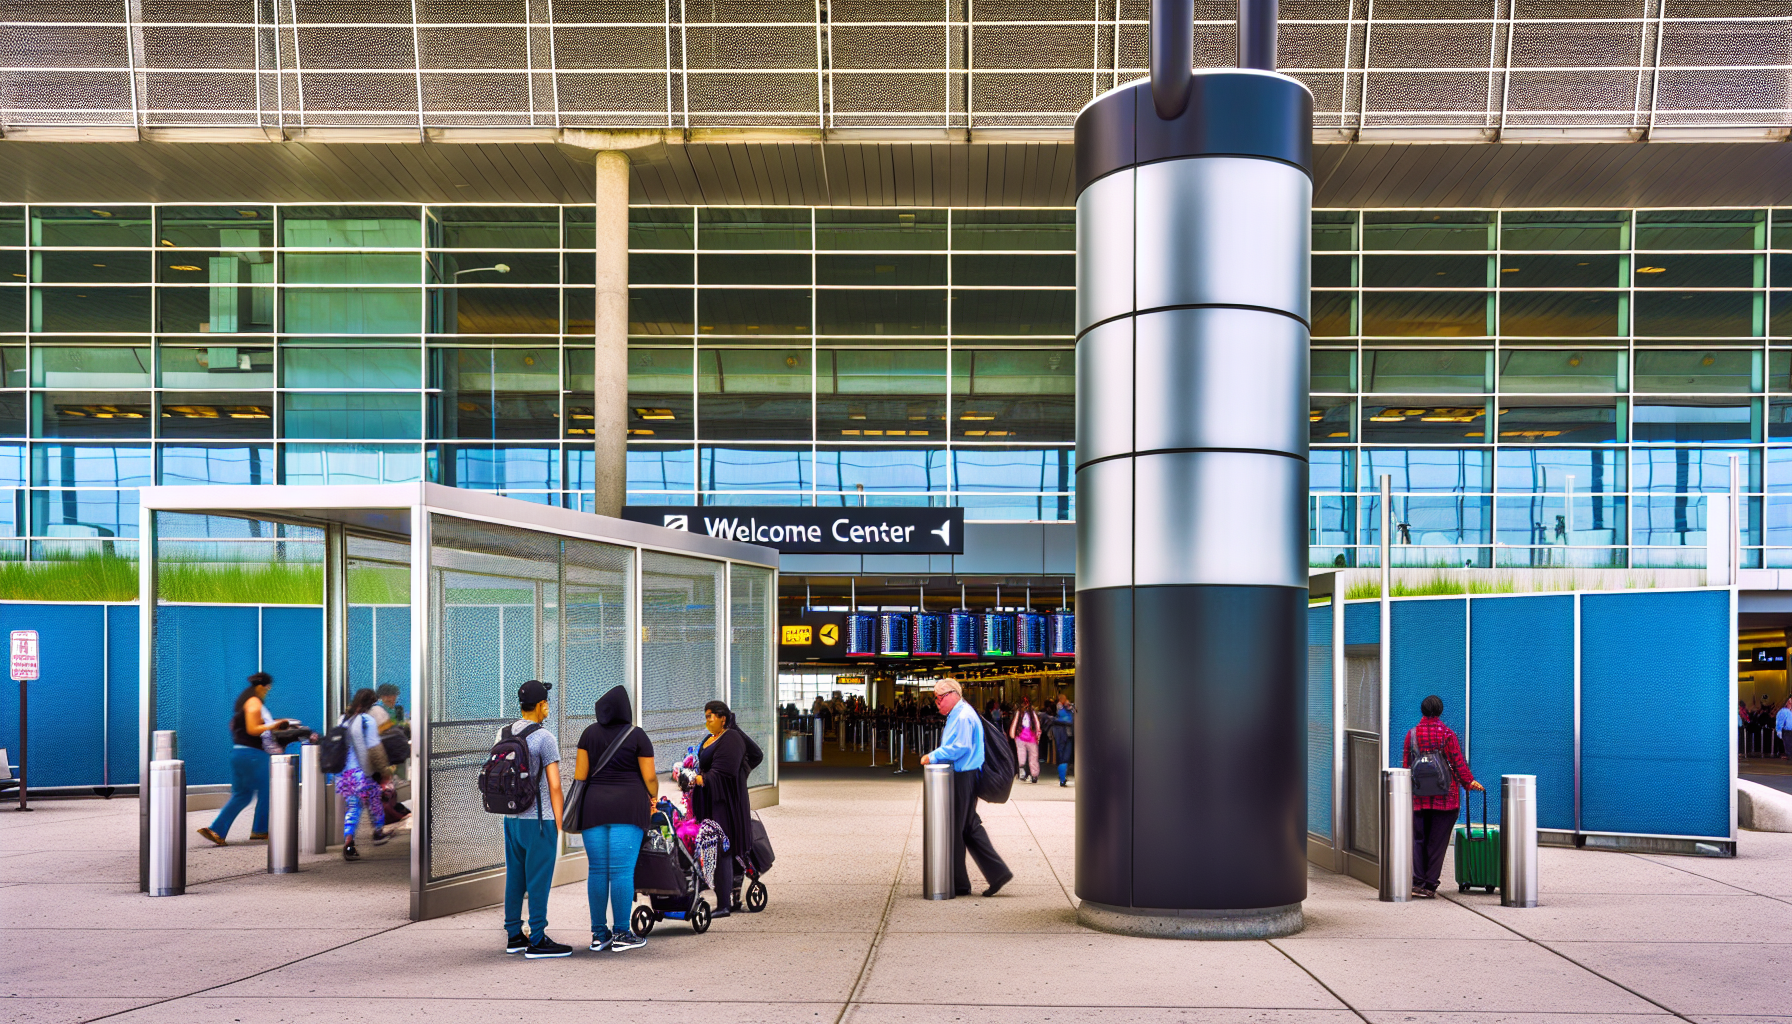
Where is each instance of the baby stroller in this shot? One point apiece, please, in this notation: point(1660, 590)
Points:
point(669, 877)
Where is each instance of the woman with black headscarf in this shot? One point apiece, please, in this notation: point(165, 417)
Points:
point(619, 793)
point(725, 761)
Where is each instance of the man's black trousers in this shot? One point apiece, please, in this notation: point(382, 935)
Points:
point(1430, 838)
point(971, 837)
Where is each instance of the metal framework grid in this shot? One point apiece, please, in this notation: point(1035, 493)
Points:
point(1621, 69)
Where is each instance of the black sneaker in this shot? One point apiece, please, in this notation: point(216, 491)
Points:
point(516, 943)
point(544, 948)
point(350, 853)
point(627, 940)
point(599, 943)
point(380, 835)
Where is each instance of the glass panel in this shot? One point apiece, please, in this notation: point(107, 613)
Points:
point(1334, 272)
point(495, 227)
point(1011, 230)
point(1701, 229)
point(351, 268)
point(1334, 314)
point(84, 514)
point(1427, 230)
point(1565, 424)
point(752, 604)
point(1562, 314)
point(1029, 313)
point(1014, 270)
point(496, 467)
point(599, 584)
point(1564, 229)
point(769, 311)
point(112, 366)
point(865, 228)
point(91, 414)
point(352, 310)
point(1694, 421)
point(98, 266)
point(216, 366)
point(494, 310)
point(1425, 272)
point(661, 311)
point(1545, 526)
point(216, 414)
point(353, 227)
point(643, 268)
point(1419, 421)
point(1425, 370)
point(1683, 371)
point(1432, 531)
point(1025, 395)
point(1426, 470)
point(1691, 470)
point(1536, 270)
point(1546, 372)
point(224, 308)
point(12, 225)
point(495, 267)
point(1332, 371)
point(749, 468)
point(681, 664)
point(215, 227)
point(75, 308)
point(90, 226)
point(654, 468)
point(1535, 470)
point(760, 268)
point(754, 394)
point(351, 463)
point(92, 465)
point(352, 415)
point(903, 312)
point(873, 470)
point(351, 367)
point(217, 464)
point(1332, 419)
point(1426, 314)
point(660, 227)
point(1014, 469)
point(886, 270)
point(661, 390)
point(1334, 230)
point(738, 228)
point(889, 393)
point(1698, 314)
point(1678, 270)
point(1330, 469)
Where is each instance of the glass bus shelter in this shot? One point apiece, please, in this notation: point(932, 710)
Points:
point(456, 597)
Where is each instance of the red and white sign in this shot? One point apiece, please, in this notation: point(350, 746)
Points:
point(24, 654)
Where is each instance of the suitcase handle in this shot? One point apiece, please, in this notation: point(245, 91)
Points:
point(1486, 836)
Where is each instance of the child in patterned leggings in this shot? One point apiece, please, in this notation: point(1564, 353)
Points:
point(358, 787)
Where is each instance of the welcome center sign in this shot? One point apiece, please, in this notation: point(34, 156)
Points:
point(817, 531)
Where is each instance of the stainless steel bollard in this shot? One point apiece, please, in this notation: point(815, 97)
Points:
point(167, 828)
point(821, 728)
point(900, 754)
point(1396, 835)
point(1518, 840)
point(164, 746)
point(936, 832)
point(283, 814)
point(314, 801)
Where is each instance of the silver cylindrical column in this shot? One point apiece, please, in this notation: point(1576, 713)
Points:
point(899, 753)
point(283, 814)
point(936, 832)
point(820, 726)
point(314, 801)
point(167, 828)
point(1396, 835)
point(1518, 840)
point(165, 746)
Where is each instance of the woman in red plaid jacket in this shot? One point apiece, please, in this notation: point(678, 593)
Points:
point(1433, 817)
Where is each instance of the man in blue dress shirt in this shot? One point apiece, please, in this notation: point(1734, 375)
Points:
point(1782, 724)
point(961, 746)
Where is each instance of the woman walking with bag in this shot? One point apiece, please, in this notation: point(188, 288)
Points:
point(614, 788)
point(1024, 731)
point(725, 761)
point(359, 781)
point(250, 721)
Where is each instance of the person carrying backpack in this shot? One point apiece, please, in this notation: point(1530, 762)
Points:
point(1434, 755)
point(961, 746)
point(521, 780)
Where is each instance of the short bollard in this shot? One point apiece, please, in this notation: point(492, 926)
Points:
point(1518, 840)
point(283, 814)
point(164, 746)
point(1396, 835)
point(900, 753)
point(314, 801)
point(821, 731)
point(936, 832)
point(167, 828)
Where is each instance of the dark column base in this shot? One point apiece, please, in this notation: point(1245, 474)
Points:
point(1262, 923)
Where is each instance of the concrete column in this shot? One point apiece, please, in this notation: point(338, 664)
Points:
point(610, 374)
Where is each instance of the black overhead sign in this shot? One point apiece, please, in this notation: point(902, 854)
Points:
point(806, 530)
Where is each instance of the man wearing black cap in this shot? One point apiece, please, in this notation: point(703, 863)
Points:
point(532, 837)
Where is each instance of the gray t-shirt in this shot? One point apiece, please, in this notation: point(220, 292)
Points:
point(544, 749)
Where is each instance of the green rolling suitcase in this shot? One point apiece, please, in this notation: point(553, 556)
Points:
point(1477, 851)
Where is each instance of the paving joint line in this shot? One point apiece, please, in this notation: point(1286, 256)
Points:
point(1068, 895)
point(883, 921)
point(1271, 943)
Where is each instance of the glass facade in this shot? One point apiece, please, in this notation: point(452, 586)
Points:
point(1545, 388)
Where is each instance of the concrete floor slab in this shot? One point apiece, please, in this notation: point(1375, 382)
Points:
point(32, 1010)
point(1763, 864)
point(1045, 1011)
point(1409, 1017)
point(402, 1009)
point(168, 962)
point(1580, 917)
point(1697, 977)
point(1564, 870)
point(1017, 909)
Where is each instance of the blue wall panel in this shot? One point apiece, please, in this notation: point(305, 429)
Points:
point(1362, 622)
point(392, 650)
point(123, 694)
point(1319, 720)
point(204, 656)
point(292, 651)
point(65, 718)
point(360, 647)
point(1521, 693)
point(1655, 713)
point(1430, 656)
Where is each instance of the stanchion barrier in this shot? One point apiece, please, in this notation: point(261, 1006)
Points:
point(1396, 835)
point(164, 746)
point(818, 726)
point(167, 828)
point(1518, 840)
point(283, 814)
point(900, 754)
point(314, 801)
point(936, 832)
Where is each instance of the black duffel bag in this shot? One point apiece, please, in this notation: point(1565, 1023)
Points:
point(398, 746)
point(762, 847)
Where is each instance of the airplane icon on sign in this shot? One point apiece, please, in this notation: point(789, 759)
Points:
point(944, 533)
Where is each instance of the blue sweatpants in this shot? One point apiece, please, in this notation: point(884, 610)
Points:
point(530, 846)
point(248, 781)
point(611, 851)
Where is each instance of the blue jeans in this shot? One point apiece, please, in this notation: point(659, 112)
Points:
point(530, 847)
point(612, 850)
point(248, 781)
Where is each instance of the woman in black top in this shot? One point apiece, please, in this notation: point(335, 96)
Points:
point(727, 758)
point(619, 795)
point(249, 720)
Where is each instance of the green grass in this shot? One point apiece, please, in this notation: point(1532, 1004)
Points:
point(241, 582)
point(370, 584)
point(89, 577)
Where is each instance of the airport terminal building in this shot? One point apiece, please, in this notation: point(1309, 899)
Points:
point(757, 255)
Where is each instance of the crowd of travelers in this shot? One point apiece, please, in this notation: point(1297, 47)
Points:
point(1765, 731)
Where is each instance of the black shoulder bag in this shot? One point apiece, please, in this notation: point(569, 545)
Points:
point(574, 822)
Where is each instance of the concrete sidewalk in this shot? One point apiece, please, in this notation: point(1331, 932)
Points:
point(846, 937)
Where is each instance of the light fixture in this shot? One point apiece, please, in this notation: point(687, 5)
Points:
point(183, 266)
point(655, 414)
point(101, 213)
point(1514, 270)
point(1651, 270)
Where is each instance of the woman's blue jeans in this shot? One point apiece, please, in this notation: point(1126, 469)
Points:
point(611, 851)
point(248, 781)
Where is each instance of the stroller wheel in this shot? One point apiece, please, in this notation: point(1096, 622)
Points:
point(700, 917)
point(643, 920)
point(756, 897)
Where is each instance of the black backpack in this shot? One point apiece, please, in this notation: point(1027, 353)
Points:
point(508, 779)
point(1430, 772)
point(997, 779)
point(333, 749)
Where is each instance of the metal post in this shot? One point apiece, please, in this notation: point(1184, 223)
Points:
point(24, 731)
point(936, 832)
point(166, 745)
point(1735, 532)
point(899, 754)
point(314, 804)
point(820, 726)
point(1518, 840)
point(167, 828)
point(283, 814)
point(1396, 835)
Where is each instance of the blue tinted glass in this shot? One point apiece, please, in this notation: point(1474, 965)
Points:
point(1328, 469)
point(754, 469)
point(1048, 507)
point(497, 468)
point(78, 465)
point(1548, 469)
point(1693, 423)
point(1546, 519)
point(353, 310)
point(880, 469)
point(1014, 469)
point(1779, 469)
point(1426, 470)
point(12, 513)
point(586, 502)
point(197, 464)
point(725, 498)
point(84, 513)
point(853, 499)
point(351, 463)
point(1429, 522)
point(1779, 520)
point(353, 415)
point(351, 367)
point(1691, 470)
point(1677, 521)
point(12, 465)
point(1330, 520)
point(649, 469)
